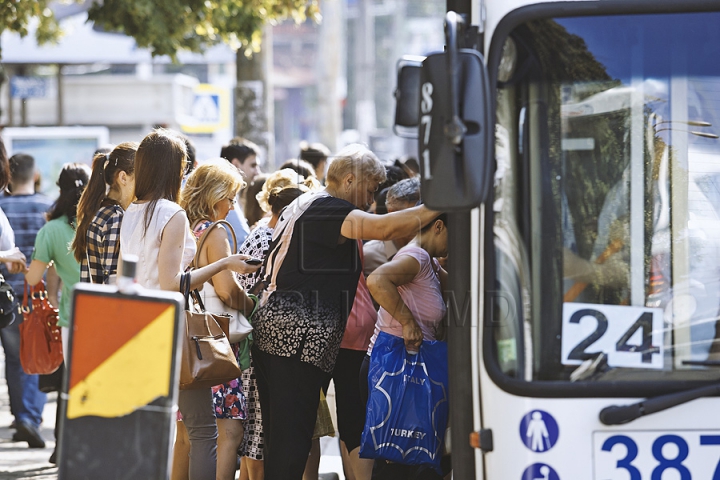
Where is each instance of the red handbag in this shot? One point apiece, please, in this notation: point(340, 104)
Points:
point(40, 338)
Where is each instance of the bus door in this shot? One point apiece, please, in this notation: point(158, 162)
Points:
point(603, 273)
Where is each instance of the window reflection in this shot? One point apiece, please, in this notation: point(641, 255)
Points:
point(608, 200)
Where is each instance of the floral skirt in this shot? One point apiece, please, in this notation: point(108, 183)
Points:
point(229, 401)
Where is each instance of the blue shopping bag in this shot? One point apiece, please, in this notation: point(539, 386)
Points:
point(407, 409)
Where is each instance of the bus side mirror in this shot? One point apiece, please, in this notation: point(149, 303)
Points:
point(407, 96)
point(456, 134)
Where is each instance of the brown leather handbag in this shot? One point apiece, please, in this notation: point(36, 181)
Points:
point(233, 322)
point(40, 338)
point(207, 358)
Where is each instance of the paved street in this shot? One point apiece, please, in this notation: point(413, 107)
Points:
point(18, 462)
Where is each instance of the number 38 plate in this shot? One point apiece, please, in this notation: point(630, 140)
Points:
point(629, 336)
point(682, 455)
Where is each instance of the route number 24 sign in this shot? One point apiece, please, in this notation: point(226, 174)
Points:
point(631, 337)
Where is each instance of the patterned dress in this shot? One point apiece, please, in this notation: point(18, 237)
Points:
point(228, 398)
point(256, 245)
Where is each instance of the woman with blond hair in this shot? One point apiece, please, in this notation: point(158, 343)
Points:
point(285, 177)
point(208, 196)
point(156, 229)
point(312, 274)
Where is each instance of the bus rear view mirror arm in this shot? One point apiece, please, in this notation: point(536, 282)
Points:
point(454, 128)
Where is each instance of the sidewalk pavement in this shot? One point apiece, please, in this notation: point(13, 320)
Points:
point(17, 461)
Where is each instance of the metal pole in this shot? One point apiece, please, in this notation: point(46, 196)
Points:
point(269, 97)
point(459, 334)
point(637, 183)
point(460, 326)
point(330, 65)
point(60, 96)
point(23, 102)
point(11, 111)
point(680, 211)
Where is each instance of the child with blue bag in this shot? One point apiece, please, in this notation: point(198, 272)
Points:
point(405, 372)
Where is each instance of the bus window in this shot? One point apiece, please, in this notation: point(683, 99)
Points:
point(607, 201)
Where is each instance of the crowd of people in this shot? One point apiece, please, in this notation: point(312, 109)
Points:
point(347, 251)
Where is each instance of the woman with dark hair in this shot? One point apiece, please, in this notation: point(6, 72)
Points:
point(253, 212)
point(51, 243)
point(100, 212)
point(409, 289)
point(156, 230)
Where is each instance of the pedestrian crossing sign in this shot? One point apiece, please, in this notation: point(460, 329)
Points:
point(209, 110)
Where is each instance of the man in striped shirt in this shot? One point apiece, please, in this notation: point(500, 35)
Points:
point(25, 211)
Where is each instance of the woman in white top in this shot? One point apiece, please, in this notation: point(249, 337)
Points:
point(156, 229)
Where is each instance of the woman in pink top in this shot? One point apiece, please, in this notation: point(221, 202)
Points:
point(409, 288)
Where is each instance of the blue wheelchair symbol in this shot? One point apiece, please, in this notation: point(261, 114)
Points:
point(539, 431)
point(540, 471)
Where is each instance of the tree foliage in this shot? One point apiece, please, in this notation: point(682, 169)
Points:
point(15, 15)
point(167, 26)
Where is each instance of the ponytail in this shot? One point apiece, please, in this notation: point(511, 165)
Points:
point(105, 168)
point(89, 204)
point(73, 180)
point(281, 197)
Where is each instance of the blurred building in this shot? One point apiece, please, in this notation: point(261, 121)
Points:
point(332, 82)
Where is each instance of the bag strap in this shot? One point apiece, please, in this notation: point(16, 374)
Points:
point(185, 281)
point(87, 258)
point(185, 288)
point(195, 294)
point(27, 291)
point(204, 236)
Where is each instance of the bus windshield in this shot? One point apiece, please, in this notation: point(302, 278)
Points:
point(607, 200)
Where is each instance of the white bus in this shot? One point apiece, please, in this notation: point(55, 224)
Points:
point(576, 145)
